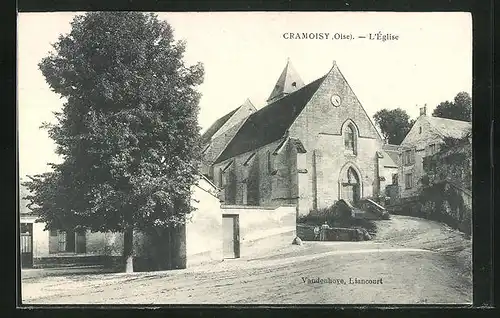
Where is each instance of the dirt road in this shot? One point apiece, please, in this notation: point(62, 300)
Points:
point(410, 262)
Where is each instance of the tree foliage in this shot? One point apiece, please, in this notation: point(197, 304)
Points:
point(128, 132)
point(459, 109)
point(394, 124)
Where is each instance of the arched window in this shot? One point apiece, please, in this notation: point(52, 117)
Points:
point(352, 176)
point(350, 139)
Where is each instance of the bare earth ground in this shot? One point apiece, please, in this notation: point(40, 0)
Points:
point(419, 261)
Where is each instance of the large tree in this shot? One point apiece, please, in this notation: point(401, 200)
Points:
point(394, 124)
point(128, 132)
point(459, 109)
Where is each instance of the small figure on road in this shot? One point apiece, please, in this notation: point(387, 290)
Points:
point(324, 228)
point(316, 232)
point(297, 241)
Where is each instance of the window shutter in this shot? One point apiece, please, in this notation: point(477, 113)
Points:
point(412, 154)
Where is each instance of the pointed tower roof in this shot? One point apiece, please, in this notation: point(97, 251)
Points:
point(288, 82)
point(248, 103)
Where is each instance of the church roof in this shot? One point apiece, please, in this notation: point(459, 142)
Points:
point(271, 122)
point(207, 135)
point(450, 127)
point(288, 82)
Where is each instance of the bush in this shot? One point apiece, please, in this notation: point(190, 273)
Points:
point(338, 212)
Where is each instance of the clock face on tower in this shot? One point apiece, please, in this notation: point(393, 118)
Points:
point(335, 99)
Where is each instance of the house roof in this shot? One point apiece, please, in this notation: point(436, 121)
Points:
point(392, 151)
point(387, 160)
point(207, 135)
point(271, 122)
point(459, 148)
point(450, 127)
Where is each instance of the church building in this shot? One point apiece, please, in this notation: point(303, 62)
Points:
point(217, 136)
point(310, 146)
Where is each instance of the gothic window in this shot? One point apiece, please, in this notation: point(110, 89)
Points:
point(352, 176)
point(350, 139)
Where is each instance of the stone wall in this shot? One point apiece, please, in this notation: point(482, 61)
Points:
point(263, 229)
point(447, 187)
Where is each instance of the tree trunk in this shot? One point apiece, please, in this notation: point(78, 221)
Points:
point(128, 249)
point(170, 246)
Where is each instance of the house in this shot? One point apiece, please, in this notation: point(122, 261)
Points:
point(392, 173)
point(425, 139)
point(40, 247)
point(211, 233)
point(310, 146)
point(218, 135)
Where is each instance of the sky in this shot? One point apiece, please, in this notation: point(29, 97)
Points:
point(244, 53)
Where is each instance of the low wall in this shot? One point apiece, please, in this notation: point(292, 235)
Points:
point(263, 229)
point(204, 228)
point(345, 234)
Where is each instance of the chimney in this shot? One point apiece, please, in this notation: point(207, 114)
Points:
point(423, 110)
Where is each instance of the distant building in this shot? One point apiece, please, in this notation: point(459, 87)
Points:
point(425, 139)
point(310, 146)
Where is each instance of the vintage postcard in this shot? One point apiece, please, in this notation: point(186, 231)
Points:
point(283, 158)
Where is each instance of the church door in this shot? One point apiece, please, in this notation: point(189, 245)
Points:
point(350, 187)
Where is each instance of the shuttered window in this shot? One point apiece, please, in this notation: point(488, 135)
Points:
point(409, 157)
point(408, 181)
